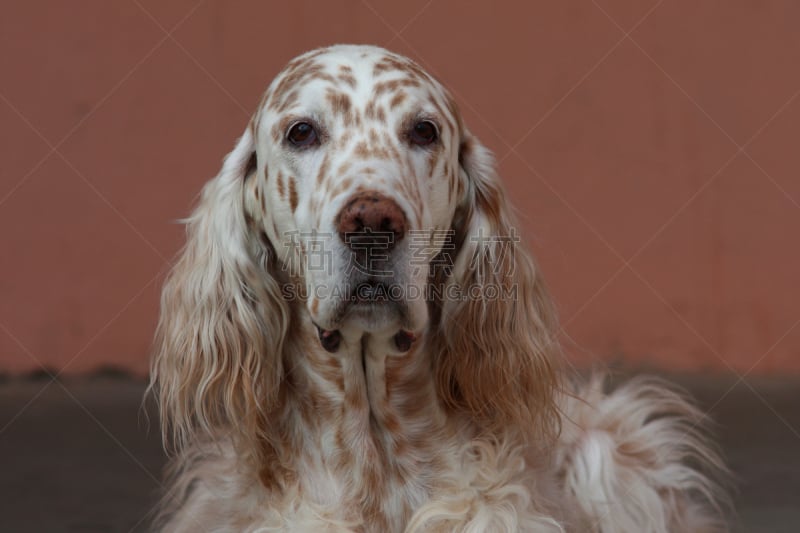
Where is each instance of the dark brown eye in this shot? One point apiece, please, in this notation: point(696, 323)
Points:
point(302, 134)
point(423, 133)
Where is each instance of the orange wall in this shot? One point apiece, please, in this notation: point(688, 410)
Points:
point(663, 243)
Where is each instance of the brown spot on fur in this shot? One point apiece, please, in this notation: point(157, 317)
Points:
point(375, 112)
point(345, 138)
point(349, 79)
point(292, 194)
point(304, 70)
point(342, 106)
point(288, 101)
point(342, 186)
point(323, 169)
point(392, 85)
point(361, 150)
point(281, 190)
point(390, 421)
point(369, 111)
point(353, 398)
point(397, 99)
point(394, 63)
point(432, 159)
point(393, 153)
point(293, 75)
point(340, 102)
point(380, 67)
point(344, 167)
point(331, 370)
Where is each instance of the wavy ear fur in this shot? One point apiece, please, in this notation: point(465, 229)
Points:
point(495, 355)
point(219, 339)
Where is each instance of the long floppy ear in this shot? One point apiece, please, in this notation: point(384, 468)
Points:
point(495, 358)
point(219, 339)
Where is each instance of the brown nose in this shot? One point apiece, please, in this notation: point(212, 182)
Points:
point(369, 218)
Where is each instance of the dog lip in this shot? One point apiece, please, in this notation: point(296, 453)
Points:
point(378, 303)
point(329, 339)
point(373, 292)
point(404, 340)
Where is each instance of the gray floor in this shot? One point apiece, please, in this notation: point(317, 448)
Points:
point(77, 456)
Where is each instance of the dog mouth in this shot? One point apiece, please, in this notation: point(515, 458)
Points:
point(373, 304)
point(373, 292)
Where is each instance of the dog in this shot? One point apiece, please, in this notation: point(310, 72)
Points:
point(353, 340)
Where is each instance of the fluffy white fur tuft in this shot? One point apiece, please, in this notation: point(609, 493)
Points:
point(638, 460)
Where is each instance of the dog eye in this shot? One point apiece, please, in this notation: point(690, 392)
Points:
point(423, 133)
point(302, 134)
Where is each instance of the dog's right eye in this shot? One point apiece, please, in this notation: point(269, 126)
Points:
point(423, 133)
point(302, 134)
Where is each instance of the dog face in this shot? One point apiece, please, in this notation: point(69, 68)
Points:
point(357, 182)
point(353, 192)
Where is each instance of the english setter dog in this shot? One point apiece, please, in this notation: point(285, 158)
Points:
point(353, 341)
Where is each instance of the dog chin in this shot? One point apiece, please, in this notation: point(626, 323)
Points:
point(372, 307)
point(375, 317)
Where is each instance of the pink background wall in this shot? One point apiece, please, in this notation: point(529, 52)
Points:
point(656, 175)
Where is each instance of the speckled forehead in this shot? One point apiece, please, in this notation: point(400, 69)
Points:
point(368, 78)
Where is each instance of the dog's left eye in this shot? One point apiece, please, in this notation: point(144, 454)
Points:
point(302, 134)
point(423, 133)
